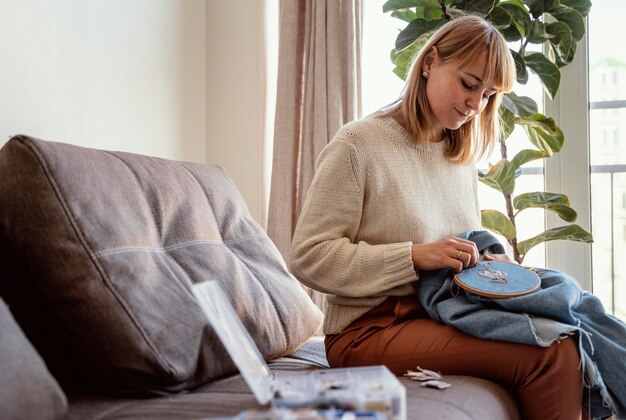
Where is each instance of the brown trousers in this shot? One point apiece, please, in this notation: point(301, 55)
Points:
point(547, 381)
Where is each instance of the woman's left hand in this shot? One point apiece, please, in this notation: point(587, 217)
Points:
point(499, 257)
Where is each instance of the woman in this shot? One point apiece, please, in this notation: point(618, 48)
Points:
point(389, 194)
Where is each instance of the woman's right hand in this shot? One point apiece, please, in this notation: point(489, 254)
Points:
point(453, 253)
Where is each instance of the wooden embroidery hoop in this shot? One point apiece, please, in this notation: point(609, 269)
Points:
point(520, 280)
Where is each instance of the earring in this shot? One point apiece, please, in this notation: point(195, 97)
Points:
point(425, 74)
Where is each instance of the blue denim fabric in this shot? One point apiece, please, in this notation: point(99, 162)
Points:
point(558, 309)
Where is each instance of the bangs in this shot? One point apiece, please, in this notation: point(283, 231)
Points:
point(499, 63)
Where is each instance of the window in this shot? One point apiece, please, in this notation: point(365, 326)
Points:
point(607, 112)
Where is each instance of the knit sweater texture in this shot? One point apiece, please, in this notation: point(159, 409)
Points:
point(374, 194)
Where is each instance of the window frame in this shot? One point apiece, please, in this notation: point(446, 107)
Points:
point(568, 172)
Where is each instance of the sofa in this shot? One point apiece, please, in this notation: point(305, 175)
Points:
point(99, 251)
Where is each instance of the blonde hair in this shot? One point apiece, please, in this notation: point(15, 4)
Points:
point(462, 40)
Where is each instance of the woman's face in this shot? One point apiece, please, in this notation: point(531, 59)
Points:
point(455, 95)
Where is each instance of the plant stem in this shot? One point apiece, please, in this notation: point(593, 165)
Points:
point(444, 10)
point(509, 210)
point(511, 214)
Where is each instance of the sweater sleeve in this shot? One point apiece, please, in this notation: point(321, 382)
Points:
point(324, 254)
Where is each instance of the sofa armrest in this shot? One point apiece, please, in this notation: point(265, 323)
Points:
point(27, 390)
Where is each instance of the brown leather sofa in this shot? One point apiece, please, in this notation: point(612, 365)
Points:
point(98, 251)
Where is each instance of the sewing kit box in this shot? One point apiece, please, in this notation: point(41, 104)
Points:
point(371, 389)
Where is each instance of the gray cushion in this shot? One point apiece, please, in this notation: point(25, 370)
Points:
point(467, 399)
point(107, 245)
point(27, 390)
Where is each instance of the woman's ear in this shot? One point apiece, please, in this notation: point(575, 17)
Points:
point(431, 57)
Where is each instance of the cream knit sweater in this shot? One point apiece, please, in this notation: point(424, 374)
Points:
point(374, 194)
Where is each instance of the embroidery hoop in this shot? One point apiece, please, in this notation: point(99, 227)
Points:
point(520, 280)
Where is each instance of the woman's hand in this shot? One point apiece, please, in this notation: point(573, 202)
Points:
point(453, 253)
point(499, 257)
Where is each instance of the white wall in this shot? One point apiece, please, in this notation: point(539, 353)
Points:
point(182, 80)
point(117, 74)
point(238, 118)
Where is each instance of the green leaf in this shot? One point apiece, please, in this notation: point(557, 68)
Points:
point(542, 140)
point(519, 105)
point(455, 13)
point(542, 132)
point(564, 212)
point(520, 67)
point(528, 155)
point(573, 19)
point(563, 41)
point(431, 13)
point(409, 15)
point(404, 58)
point(499, 17)
point(568, 233)
point(547, 71)
point(400, 73)
point(538, 7)
point(507, 119)
point(535, 7)
point(517, 3)
point(553, 55)
point(414, 30)
point(537, 33)
point(520, 19)
point(582, 6)
point(405, 15)
point(511, 34)
point(500, 176)
point(557, 203)
point(525, 200)
point(482, 7)
point(539, 120)
point(499, 223)
point(391, 5)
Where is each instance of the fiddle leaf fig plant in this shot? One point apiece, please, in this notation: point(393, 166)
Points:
point(555, 25)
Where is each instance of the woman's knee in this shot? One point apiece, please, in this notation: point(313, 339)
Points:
point(565, 352)
point(547, 365)
point(562, 360)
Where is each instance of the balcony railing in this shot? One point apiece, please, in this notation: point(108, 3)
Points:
point(612, 171)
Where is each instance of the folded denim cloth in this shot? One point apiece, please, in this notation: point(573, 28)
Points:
point(558, 309)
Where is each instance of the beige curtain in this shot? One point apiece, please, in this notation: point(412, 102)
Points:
point(318, 91)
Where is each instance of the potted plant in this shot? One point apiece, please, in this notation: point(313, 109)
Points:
point(557, 25)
